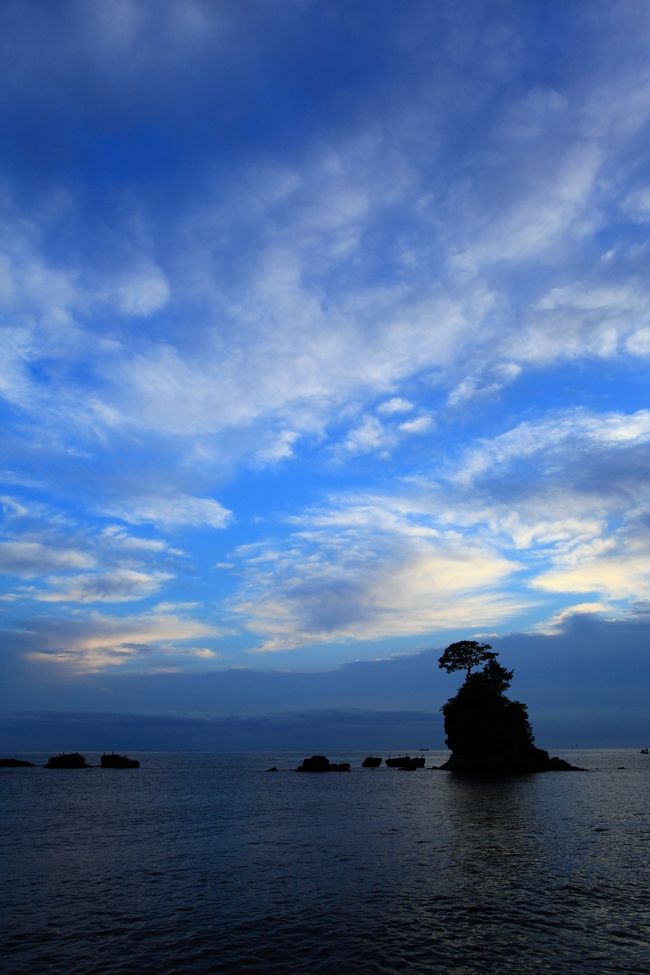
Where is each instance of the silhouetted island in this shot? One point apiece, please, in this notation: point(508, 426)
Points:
point(118, 761)
point(486, 731)
point(318, 763)
point(67, 760)
point(371, 761)
point(15, 763)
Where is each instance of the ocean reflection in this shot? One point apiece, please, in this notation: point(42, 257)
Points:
point(492, 821)
point(209, 865)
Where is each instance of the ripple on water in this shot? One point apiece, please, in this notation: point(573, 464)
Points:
point(195, 867)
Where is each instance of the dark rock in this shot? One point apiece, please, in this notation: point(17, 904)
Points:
point(67, 760)
point(372, 761)
point(508, 762)
point(118, 761)
point(406, 762)
point(560, 765)
point(15, 763)
point(318, 763)
point(272, 769)
point(489, 734)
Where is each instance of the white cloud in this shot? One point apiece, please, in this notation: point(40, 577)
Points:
point(369, 435)
point(419, 425)
point(366, 568)
point(541, 209)
point(142, 291)
point(274, 299)
point(303, 320)
point(119, 586)
point(639, 342)
point(31, 559)
point(280, 448)
point(98, 641)
point(565, 496)
point(621, 572)
point(584, 430)
point(557, 622)
point(115, 537)
point(174, 509)
point(484, 385)
point(413, 589)
point(395, 405)
point(203, 653)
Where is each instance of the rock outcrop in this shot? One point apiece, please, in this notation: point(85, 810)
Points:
point(488, 733)
point(67, 760)
point(118, 761)
point(406, 762)
point(318, 763)
point(15, 763)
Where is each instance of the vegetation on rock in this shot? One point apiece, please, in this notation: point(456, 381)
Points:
point(465, 655)
point(486, 731)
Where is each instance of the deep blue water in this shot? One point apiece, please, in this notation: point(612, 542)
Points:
point(201, 863)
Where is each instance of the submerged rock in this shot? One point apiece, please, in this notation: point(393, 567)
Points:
point(318, 763)
point(15, 763)
point(118, 761)
point(67, 760)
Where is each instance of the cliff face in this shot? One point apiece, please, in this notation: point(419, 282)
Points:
point(487, 732)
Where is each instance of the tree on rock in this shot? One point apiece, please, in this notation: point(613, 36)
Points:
point(486, 731)
point(465, 655)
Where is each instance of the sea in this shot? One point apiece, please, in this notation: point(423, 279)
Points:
point(208, 863)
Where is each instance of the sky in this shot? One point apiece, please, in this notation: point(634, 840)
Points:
point(326, 331)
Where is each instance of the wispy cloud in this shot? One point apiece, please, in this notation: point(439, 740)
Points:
point(31, 559)
point(98, 641)
point(172, 509)
point(395, 405)
point(123, 585)
point(361, 574)
point(381, 357)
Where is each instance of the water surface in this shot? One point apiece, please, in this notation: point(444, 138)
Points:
point(200, 863)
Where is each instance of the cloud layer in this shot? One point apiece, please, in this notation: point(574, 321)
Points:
point(324, 333)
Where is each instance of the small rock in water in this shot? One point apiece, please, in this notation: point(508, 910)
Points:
point(118, 761)
point(319, 763)
point(67, 760)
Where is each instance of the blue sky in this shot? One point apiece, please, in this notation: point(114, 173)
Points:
point(326, 332)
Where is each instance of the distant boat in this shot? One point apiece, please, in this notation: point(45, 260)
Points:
point(644, 751)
